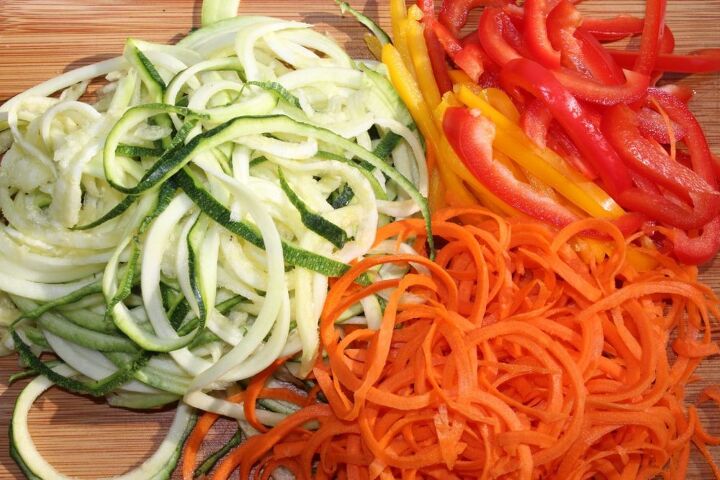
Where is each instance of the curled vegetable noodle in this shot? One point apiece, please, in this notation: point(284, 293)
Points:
point(176, 235)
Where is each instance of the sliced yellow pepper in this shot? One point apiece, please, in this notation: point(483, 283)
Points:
point(450, 167)
point(398, 16)
point(502, 102)
point(545, 164)
point(421, 59)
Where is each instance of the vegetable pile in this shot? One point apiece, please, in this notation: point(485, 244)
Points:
point(247, 223)
point(176, 235)
point(577, 129)
point(507, 357)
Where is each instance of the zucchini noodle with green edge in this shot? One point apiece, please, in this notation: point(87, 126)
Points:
point(175, 236)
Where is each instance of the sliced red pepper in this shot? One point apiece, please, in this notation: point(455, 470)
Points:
point(698, 249)
point(471, 136)
point(701, 61)
point(704, 246)
point(580, 50)
point(652, 125)
point(634, 88)
point(454, 13)
point(653, 27)
point(427, 7)
point(490, 32)
point(681, 92)
point(667, 41)
point(536, 32)
point(562, 23)
point(437, 60)
point(598, 61)
point(468, 57)
point(620, 125)
point(513, 35)
point(700, 155)
point(613, 29)
point(568, 112)
point(535, 122)
point(559, 141)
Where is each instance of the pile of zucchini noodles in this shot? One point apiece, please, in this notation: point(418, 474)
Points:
point(176, 235)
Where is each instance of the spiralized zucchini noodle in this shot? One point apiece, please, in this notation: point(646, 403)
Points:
point(175, 235)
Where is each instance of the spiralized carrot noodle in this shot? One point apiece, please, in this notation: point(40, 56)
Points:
point(510, 356)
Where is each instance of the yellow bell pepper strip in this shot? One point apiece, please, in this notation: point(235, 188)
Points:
point(412, 97)
point(398, 16)
point(501, 102)
point(421, 58)
point(458, 76)
point(494, 96)
point(543, 163)
point(449, 166)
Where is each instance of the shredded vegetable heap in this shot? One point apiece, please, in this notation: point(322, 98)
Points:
point(533, 112)
point(511, 356)
point(176, 234)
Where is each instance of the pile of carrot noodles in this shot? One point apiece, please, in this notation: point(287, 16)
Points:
point(510, 356)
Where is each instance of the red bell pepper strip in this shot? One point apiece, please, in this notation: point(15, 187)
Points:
point(471, 136)
point(703, 247)
point(435, 50)
point(620, 125)
point(699, 249)
point(667, 41)
point(681, 92)
point(613, 29)
point(634, 88)
point(512, 34)
point(448, 41)
point(559, 141)
point(701, 61)
point(653, 27)
point(427, 7)
point(652, 125)
point(535, 122)
point(437, 59)
point(562, 22)
point(598, 60)
point(580, 50)
point(468, 57)
point(454, 13)
point(490, 32)
point(568, 112)
point(536, 32)
point(700, 155)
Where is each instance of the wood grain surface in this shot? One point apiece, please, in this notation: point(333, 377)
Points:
point(43, 38)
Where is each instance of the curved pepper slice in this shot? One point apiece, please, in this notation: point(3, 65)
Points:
point(699, 61)
point(620, 125)
point(468, 56)
point(471, 136)
point(568, 112)
point(454, 13)
point(612, 29)
point(490, 31)
point(536, 33)
point(703, 247)
point(653, 27)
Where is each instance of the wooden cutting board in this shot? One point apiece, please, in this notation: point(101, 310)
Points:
point(43, 38)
